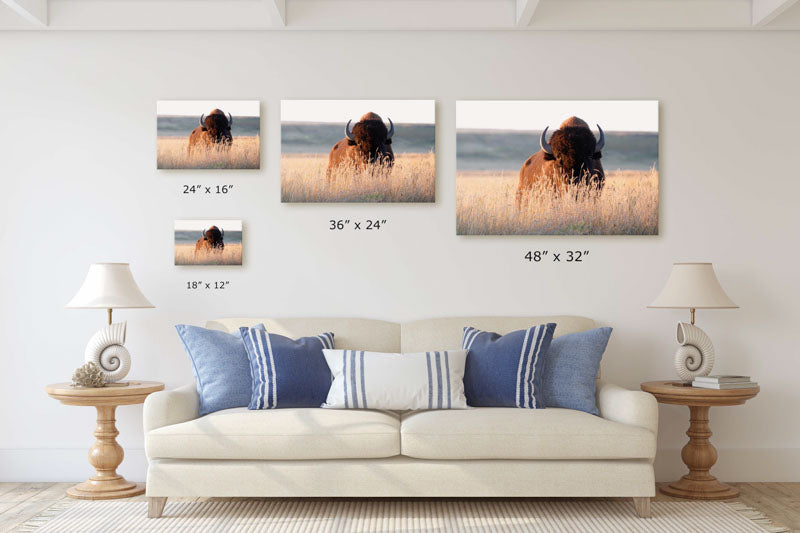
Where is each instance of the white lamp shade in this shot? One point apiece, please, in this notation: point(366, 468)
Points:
point(109, 286)
point(693, 285)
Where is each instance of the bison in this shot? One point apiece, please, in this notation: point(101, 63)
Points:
point(210, 241)
point(571, 157)
point(214, 131)
point(368, 143)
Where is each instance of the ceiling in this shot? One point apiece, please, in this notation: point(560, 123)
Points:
point(399, 14)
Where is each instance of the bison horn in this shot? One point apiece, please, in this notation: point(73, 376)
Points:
point(602, 141)
point(347, 131)
point(230, 121)
point(543, 142)
point(222, 232)
point(204, 232)
point(391, 129)
point(203, 120)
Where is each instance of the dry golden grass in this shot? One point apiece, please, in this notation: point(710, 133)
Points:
point(627, 205)
point(244, 153)
point(412, 179)
point(230, 255)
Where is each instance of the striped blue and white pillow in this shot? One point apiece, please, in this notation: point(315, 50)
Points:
point(396, 381)
point(286, 372)
point(506, 370)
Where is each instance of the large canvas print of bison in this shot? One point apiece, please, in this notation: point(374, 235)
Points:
point(208, 242)
point(358, 151)
point(557, 167)
point(222, 134)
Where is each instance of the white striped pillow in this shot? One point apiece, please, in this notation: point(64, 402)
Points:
point(396, 381)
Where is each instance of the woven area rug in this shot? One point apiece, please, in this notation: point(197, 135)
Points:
point(309, 515)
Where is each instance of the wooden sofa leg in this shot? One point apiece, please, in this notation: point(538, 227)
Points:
point(642, 506)
point(155, 506)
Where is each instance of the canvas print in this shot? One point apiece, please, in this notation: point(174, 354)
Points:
point(358, 151)
point(211, 134)
point(208, 242)
point(557, 167)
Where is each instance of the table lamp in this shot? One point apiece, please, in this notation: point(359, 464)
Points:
point(693, 286)
point(109, 286)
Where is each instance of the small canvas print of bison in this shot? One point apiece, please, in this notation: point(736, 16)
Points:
point(208, 242)
point(208, 134)
point(557, 168)
point(358, 151)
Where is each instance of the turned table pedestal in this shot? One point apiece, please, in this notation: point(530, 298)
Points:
point(698, 454)
point(106, 454)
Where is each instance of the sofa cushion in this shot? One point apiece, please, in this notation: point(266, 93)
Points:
point(220, 365)
point(510, 433)
point(397, 381)
point(351, 333)
point(286, 372)
point(280, 434)
point(447, 333)
point(506, 370)
point(571, 367)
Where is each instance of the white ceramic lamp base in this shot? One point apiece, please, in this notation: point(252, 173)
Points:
point(695, 357)
point(106, 349)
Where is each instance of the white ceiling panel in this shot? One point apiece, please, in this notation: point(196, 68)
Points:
point(355, 15)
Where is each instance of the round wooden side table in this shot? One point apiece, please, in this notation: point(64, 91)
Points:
point(106, 454)
point(698, 454)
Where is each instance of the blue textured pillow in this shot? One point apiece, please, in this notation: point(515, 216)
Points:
point(506, 371)
point(571, 367)
point(286, 372)
point(220, 365)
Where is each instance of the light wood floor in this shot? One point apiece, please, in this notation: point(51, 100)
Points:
point(21, 501)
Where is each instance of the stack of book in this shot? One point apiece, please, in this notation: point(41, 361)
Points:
point(723, 382)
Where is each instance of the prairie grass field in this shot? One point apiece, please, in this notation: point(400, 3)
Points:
point(627, 205)
point(244, 153)
point(412, 179)
point(230, 255)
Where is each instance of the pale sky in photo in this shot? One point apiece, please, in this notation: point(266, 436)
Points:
point(237, 108)
point(612, 115)
point(200, 225)
point(340, 111)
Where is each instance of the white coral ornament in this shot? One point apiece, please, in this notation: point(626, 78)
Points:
point(89, 375)
point(695, 357)
point(106, 350)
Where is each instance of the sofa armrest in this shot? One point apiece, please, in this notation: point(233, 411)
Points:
point(169, 407)
point(635, 408)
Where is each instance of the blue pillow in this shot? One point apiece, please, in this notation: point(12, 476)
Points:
point(220, 365)
point(286, 372)
point(506, 371)
point(571, 367)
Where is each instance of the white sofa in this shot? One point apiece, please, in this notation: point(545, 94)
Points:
point(481, 452)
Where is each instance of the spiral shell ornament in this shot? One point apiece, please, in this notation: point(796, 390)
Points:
point(106, 350)
point(695, 357)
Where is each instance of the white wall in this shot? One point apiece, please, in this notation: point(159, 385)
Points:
point(79, 185)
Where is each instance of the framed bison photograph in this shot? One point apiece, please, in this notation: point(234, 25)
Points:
point(557, 167)
point(211, 134)
point(358, 151)
point(208, 242)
